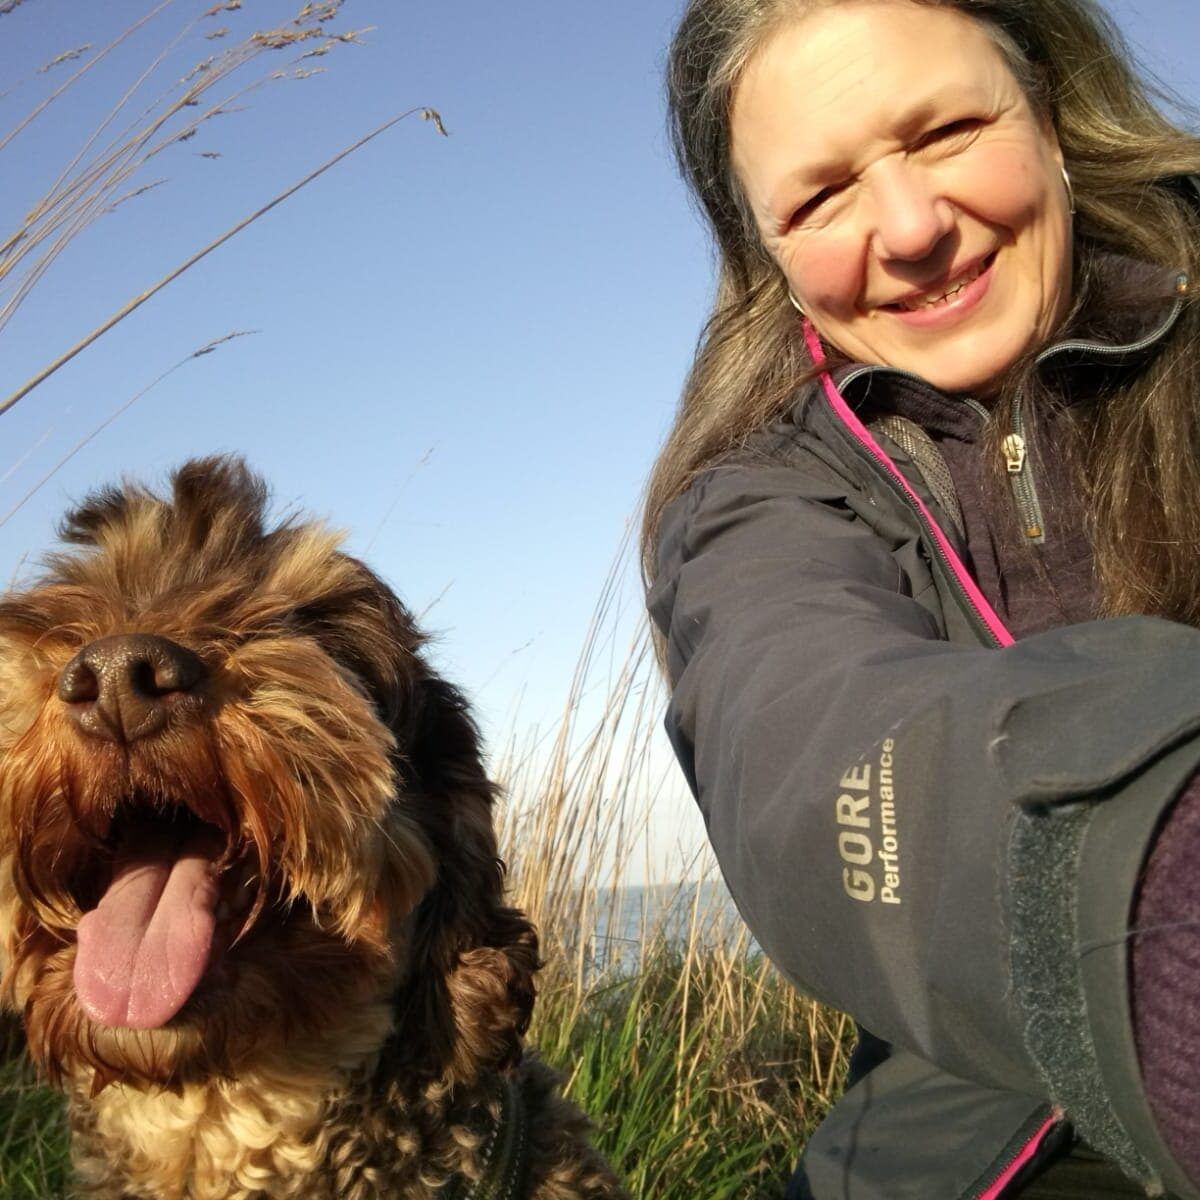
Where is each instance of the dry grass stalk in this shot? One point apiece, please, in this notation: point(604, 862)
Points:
point(746, 1053)
point(104, 173)
point(207, 348)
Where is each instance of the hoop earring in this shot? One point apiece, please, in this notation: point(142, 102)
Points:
point(1070, 190)
point(795, 302)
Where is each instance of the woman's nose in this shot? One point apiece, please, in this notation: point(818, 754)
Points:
point(910, 216)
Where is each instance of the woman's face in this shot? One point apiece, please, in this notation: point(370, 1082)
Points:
point(906, 188)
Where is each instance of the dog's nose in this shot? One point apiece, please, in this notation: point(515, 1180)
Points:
point(124, 687)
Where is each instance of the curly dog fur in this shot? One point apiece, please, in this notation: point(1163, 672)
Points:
point(234, 722)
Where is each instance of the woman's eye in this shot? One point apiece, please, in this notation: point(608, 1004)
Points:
point(952, 133)
point(813, 205)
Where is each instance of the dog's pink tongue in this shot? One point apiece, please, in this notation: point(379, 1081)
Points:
point(142, 950)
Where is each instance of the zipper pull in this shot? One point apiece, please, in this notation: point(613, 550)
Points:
point(1014, 453)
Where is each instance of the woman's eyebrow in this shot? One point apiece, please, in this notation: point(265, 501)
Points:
point(909, 124)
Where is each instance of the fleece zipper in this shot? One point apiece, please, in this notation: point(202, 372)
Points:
point(1020, 476)
point(1015, 445)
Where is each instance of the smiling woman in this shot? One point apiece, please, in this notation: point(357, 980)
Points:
point(922, 220)
point(884, 543)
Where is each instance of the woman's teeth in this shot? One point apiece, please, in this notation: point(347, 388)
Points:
point(944, 297)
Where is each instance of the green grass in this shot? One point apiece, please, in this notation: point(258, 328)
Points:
point(33, 1138)
point(687, 1099)
point(702, 1068)
point(681, 1091)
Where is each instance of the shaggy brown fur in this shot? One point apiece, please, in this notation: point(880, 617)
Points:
point(185, 681)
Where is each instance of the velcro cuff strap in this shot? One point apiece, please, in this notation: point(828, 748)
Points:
point(1073, 871)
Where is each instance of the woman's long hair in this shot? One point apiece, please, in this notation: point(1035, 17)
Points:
point(1138, 457)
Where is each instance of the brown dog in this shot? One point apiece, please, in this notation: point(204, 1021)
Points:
point(250, 901)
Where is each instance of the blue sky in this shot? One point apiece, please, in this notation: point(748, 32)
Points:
point(469, 347)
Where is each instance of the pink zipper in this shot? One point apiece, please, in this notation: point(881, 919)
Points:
point(996, 1191)
point(862, 434)
point(847, 415)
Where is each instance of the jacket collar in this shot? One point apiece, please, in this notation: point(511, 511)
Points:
point(1143, 303)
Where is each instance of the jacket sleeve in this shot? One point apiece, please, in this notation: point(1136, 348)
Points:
point(909, 826)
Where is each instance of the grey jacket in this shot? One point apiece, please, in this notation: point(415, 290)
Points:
point(924, 823)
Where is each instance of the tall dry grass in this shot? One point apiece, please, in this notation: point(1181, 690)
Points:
point(142, 126)
point(703, 1069)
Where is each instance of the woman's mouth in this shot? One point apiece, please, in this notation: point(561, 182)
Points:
point(948, 300)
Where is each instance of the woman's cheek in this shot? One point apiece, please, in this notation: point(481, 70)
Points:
point(1005, 187)
point(825, 273)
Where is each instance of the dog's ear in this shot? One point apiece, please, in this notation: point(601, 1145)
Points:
point(217, 501)
point(469, 991)
point(203, 492)
point(103, 507)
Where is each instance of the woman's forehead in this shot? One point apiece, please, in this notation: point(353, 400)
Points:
point(824, 86)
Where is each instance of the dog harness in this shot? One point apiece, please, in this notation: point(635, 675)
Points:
point(505, 1157)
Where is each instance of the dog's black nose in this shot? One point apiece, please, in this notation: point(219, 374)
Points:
point(124, 687)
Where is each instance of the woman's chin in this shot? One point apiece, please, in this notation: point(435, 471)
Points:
point(972, 358)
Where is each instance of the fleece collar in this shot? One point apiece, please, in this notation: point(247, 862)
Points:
point(1146, 302)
